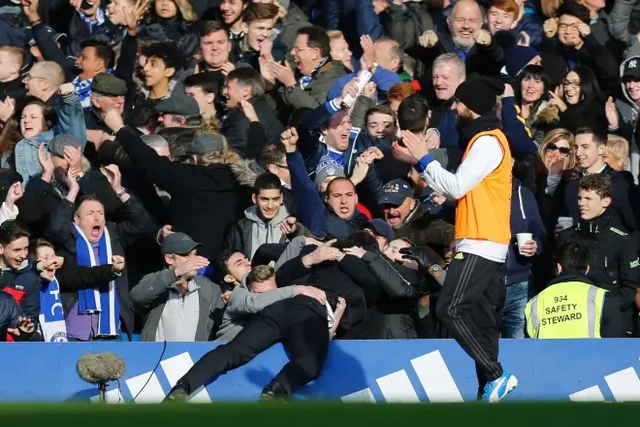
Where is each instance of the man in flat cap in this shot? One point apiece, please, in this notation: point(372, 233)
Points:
point(179, 110)
point(107, 92)
point(205, 144)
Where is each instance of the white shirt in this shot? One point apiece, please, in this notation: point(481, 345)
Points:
point(181, 315)
point(484, 156)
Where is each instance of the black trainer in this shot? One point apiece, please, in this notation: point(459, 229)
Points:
point(274, 391)
point(177, 394)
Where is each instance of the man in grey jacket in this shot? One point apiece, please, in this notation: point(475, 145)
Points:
point(243, 303)
point(178, 304)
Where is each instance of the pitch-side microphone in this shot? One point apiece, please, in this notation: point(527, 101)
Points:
point(100, 369)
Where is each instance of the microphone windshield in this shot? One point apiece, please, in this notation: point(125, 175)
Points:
point(96, 368)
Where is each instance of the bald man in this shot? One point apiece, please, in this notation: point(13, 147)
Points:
point(384, 63)
point(44, 79)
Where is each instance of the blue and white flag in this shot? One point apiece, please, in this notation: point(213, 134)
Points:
point(52, 320)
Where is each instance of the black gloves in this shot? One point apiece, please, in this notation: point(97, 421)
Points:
point(417, 254)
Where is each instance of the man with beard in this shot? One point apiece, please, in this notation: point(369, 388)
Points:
point(465, 38)
point(472, 298)
point(409, 219)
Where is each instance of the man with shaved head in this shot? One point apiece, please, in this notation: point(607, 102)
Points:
point(44, 79)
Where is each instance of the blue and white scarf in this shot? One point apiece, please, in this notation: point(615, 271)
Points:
point(94, 24)
point(102, 300)
point(52, 320)
point(304, 81)
point(83, 90)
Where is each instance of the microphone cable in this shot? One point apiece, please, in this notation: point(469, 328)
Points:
point(164, 348)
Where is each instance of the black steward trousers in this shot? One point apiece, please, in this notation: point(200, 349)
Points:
point(298, 323)
point(470, 307)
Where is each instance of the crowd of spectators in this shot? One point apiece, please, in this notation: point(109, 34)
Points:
point(157, 153)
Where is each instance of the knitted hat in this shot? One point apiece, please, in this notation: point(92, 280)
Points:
point(479, 93)
point(517, 57)
point(326, 168)
point(573, 8)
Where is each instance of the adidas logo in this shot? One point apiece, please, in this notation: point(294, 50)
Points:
point(433, 374)
point(172, 370)
point(624, 385)
point(430, 369)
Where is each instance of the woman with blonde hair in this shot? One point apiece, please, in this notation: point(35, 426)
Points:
point(617, 153)
point(558, 155)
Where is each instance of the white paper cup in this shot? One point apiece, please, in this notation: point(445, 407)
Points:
point(522, 239)
point(565, 222)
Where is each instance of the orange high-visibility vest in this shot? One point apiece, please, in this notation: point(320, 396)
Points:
point(485, 211)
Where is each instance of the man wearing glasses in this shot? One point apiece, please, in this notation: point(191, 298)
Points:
point(577, 45)
point(308, 85)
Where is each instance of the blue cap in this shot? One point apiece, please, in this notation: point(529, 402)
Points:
point(381, 228)
point(395, 192)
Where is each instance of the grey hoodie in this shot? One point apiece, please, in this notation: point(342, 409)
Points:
point(264, 232)
point(628, 111)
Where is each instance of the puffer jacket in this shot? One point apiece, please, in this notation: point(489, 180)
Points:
point(9, 312)
point(23, 284)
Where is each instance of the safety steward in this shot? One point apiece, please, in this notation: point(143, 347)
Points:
point(572, 306)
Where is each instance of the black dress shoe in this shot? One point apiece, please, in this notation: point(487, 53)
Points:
point(177, 394)
point(274, 391)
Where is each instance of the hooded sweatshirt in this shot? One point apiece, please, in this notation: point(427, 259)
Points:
point(525, 218)
point(262, 232)
point(628, 112)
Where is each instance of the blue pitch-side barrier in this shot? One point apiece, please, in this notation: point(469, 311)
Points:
point(371, 371)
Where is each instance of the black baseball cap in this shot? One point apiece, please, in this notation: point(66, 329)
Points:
point(178, 243)
point(631, 68)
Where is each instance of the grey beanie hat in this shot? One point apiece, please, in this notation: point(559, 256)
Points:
point(326, 168)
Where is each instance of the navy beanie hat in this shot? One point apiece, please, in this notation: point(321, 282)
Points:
point(517, 57)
